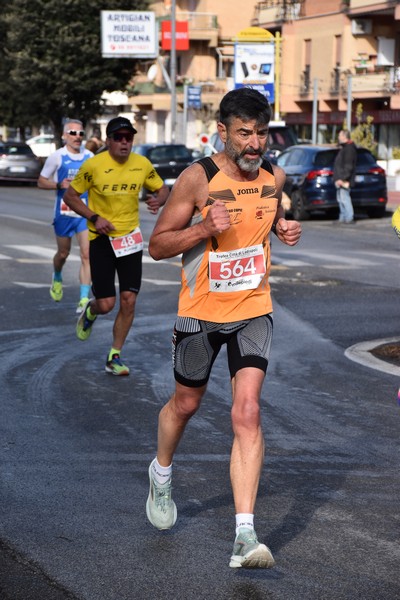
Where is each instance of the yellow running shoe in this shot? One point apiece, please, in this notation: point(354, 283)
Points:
point(81, 305)
point(115, 366)
point(56, 291)
point(84, 325)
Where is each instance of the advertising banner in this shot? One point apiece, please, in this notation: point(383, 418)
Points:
point(128, 34)
point(254, 67)
point(181, 35)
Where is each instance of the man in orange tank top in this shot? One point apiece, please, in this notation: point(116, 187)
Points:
point(219, 217)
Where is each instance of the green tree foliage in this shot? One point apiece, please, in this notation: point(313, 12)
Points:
point(362, 135)
point(51, 66)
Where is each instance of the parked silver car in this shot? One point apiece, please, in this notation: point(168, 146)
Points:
point(18, 162)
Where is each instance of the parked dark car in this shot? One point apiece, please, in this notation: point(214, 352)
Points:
point(309, 183)
point(280, 137)
point(18, 162)
point(169, 160)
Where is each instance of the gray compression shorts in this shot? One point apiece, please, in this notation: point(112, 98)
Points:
point(196, 344)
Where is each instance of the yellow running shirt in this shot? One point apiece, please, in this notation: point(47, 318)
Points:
point(114, 189)
point(396, 221)
point(225, 278)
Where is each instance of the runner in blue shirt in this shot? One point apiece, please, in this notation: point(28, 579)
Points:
point(59, 169)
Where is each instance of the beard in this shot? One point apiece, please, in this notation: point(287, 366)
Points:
point(244, 164)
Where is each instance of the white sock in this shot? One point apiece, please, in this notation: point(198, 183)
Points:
point(159, 473)
point(244, 520)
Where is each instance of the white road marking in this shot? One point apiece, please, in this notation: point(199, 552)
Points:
point(25, 284)
point(326, 260)
point(161, 282)
point(24, 219)
point(45, 256)
point(290, 262)
point(40, 251)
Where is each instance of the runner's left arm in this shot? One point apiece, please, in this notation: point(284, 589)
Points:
point(288, 232)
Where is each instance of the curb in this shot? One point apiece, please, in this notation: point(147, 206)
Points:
point(360, 353)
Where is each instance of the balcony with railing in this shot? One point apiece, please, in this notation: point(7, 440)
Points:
point(377, 80)
point(335, 81)
point(369, 4)
point(276, 12)
point(305, 81)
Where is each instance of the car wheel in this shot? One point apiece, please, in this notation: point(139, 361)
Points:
point(298, 210)
point(376, 212)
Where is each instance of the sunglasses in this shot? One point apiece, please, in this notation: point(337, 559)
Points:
point(119, 137)
point(74, 132)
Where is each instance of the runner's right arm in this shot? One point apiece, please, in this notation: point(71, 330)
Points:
point(172, 234)
point(47, 178)
point(73, 200)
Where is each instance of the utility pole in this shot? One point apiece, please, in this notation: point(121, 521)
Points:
point(173, 72)
point(185, 111)
point(277, 42)
point(349, 101)
point(315, 112)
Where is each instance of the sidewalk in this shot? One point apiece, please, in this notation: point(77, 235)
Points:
point(393, 194)
point(393, 200)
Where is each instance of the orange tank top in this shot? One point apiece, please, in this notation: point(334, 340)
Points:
point(225, 278)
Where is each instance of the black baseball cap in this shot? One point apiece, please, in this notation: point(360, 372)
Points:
point(119, 123)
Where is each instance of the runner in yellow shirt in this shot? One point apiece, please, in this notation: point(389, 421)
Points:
point(396, 221)
point(113, 180)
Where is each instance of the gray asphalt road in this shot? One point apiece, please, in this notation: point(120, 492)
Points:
point(76, 443)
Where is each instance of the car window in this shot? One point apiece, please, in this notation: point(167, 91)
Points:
point(281, 136)
point(15, 150)
point(182, 153)
point(139, 149)
point(283, 159)
point(156, 155)
point(326, 158)
point(168, 153)
point(296, 157)
point(365, 158)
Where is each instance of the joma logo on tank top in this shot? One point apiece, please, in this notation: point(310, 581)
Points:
point(248, 191)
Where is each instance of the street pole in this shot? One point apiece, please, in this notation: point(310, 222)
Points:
point(185, 111)
point(315, 112)
point(277, 76)
point(349, 101)
point(173, 72)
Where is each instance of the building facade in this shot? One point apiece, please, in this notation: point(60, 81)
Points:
point(208, 63)
point(336, 53)
point(332, 53)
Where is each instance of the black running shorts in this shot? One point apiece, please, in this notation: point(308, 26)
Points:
point(104, 264)
point(196, 345)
